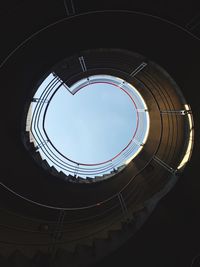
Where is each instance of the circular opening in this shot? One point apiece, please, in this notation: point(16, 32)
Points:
point(94, 127)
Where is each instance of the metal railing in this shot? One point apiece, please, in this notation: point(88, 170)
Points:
point(106, 211)
point(44, 145)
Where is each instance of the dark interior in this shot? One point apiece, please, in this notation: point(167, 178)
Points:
point(167, 32)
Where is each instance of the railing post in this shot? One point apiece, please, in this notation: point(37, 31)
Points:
point(76, 171)
point(57, 233)
point(69, 7)
point(123, 207)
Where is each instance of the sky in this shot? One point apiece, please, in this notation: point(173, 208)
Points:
point(94, 124)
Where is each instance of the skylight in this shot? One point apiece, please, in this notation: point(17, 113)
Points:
point(94, 127)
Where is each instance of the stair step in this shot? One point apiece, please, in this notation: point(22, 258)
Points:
point(89, 179)
point(42, 259)
point(100, 247)
point(86, 242)
point(80, 180)
point(71, 178)
point(117, 226)
point(54, 171)
point(45, 164)
point(29, 144)
point(101, 235)
point(69, 247)
point(62, 175)
point(84, 252)
point(3, 262)
point(26, 138)
point(140, 218)
point(63, 258)
point(37, 156)
point(18, 259)
point(31, 147)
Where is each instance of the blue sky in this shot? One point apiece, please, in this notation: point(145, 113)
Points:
point(93, 125)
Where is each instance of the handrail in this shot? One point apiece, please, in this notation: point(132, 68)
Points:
point(81, 208)
point(72, 167)
point(126, 196)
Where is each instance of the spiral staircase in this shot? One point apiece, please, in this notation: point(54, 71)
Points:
point(48, 218)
